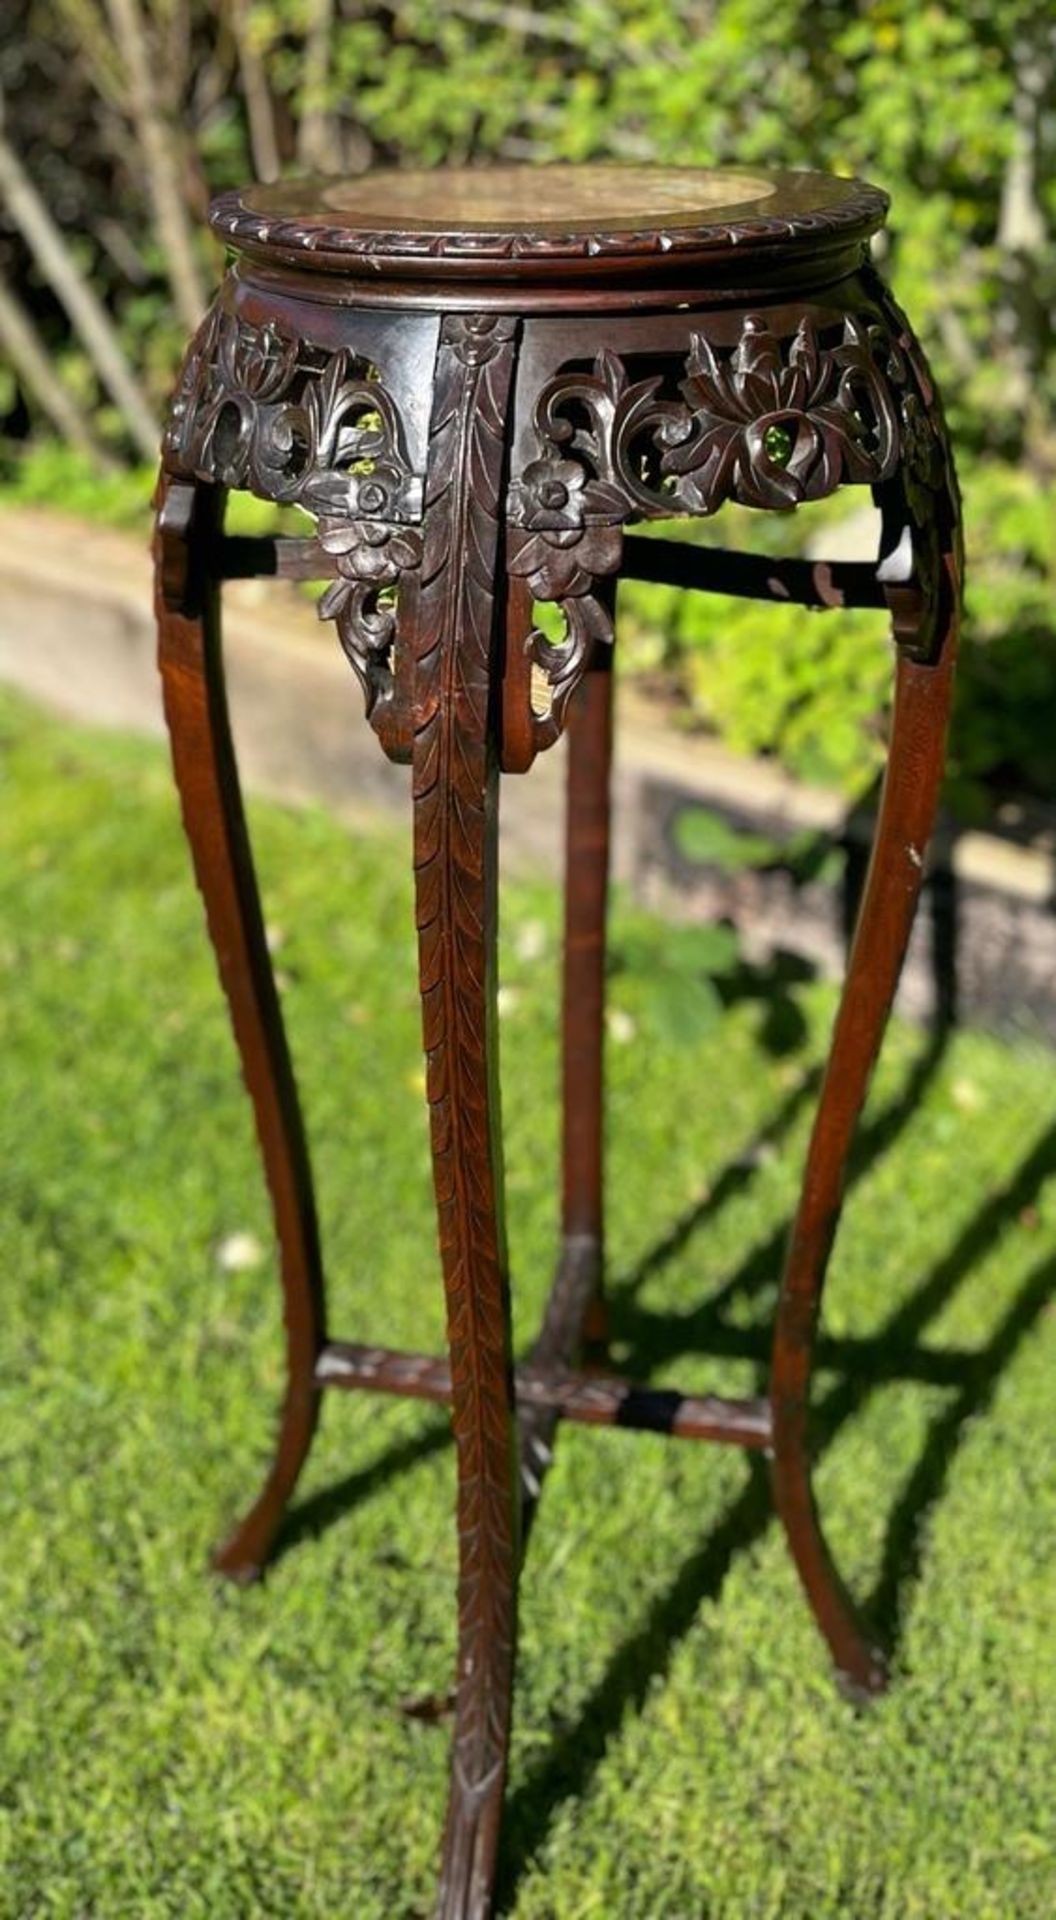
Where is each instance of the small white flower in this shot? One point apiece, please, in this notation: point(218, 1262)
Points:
point(622, 1029)
point(967, 1096)
point(239, 1253)
point(530, 941)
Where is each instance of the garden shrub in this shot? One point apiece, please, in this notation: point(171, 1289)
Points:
point(947, 107)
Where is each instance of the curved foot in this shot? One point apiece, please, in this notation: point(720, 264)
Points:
point(923, 597)
point(862, 1692)
point(189, 656)
point(861, 1666)
point(244, 1554)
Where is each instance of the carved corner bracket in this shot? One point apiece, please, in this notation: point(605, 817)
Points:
point(769, 421)
point(922, 561)
point(259, 409)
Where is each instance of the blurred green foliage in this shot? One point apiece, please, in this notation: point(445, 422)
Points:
point(948, 107)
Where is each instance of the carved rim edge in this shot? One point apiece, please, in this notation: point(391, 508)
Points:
point(860, 210)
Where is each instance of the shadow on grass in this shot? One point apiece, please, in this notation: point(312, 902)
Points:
point(894, 1353)
point(655, 1338)
point(314, 1516)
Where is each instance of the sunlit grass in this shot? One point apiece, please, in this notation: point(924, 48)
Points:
point(172, 1748)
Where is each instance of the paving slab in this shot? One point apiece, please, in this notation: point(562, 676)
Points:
point(76, 633)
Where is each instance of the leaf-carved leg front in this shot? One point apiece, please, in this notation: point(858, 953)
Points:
point(924, 606)
point(455, 818)
point(189, 654)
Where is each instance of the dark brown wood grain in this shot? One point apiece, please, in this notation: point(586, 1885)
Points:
point(588, 837)
point(189, 655)
point(911, 786)
point(455, 776)
point(594, 1399)
point(559, 223)
point(476, 384)
point(314, 426)
point(768, 408)
point(921, 539)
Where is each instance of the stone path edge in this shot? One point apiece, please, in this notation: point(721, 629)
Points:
point(76, 634)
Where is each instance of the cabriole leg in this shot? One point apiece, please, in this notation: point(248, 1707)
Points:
point(455, 776)
point(925, 620)
point(190, 659)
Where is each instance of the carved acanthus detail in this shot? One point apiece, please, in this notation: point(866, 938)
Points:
point(454, 777)
point(778, 422)
point(309, 427)
point(298, 424)
point(371, 557)
point(769, 421)
point(924, 469)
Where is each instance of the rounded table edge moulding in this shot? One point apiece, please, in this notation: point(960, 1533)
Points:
point(298, 221)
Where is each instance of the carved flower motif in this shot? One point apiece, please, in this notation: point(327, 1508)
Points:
point(374, 493)
point(551, 493)
point(258, 409)
point(256, 361)
point(371, 560)
point(557, 496)
point(772, 427)
point(366, 551)
point(563, 562)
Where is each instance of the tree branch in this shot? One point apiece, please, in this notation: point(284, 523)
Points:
point(37, 376)
point(159, 159)
point(317, 145)
point(92, 323)
point(260, 108)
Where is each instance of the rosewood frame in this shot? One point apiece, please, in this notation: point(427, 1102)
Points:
point(463, 464)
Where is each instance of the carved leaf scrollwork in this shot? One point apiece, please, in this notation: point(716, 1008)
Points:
point(769, 421)
point(925, 468)
point(371, 559)
point(454, 774)
point(567, 509)
point(776, 423)
point(303, 426)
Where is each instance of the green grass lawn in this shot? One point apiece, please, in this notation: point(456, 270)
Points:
point(169, 1747)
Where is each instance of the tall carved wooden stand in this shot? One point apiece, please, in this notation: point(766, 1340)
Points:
point(475, 382)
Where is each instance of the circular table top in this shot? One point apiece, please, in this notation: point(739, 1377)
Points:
point(475, 221)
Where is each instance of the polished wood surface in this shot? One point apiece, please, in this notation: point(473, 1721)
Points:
point(475, 384)
point(601, 199)
point(593, 1399)
point(191, 664)
point(531, 221)
point(455, 786)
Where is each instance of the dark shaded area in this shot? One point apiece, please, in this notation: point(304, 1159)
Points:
point(898, 1351)
point(894, 1353)
point(806, 583)
point(982, 950)
point(574, 1754)
point(312, 1517)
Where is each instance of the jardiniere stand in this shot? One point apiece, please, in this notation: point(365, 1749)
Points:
point(475, 382)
